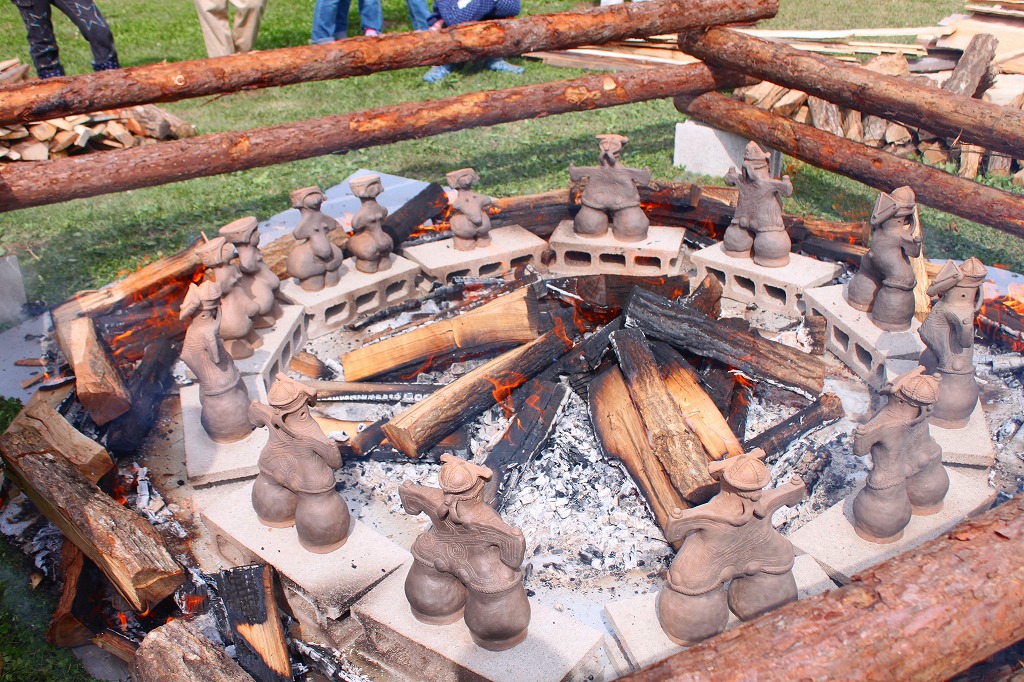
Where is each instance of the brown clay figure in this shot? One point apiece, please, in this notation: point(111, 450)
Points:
point(757, 229)
point(907, 477)
point(884, 285)
point(295, 485)
point(258, 281)
point(468, 561)
point(222, 394)
point(237, 309)
point(370, 244)
point(316, 261)
point(611, 190)
point(948, 333)
point(471, 226)
point(730, 538)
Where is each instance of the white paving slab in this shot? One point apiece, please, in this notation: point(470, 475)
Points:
point(967, 446)
point(207, 462)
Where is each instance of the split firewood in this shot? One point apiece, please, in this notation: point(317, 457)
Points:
point(853, 125)
point(121, 647)
point(256, 630)
point(825, 116)
point(922, 300)
point(897, 134)
point(31, 150)
point(366, 392)
point(88, 456)
point(428, 204)
point(827, 409)
point(707, 297)
point(179, 651)
point(309, 365)
point(934, 152)
point(100, 386)
point(874, 130)
point(816, 326)
point(970, 76)
point(30, 362)
point(66, 630)
point(970, 160)
point(789, 103)
point(999, 165)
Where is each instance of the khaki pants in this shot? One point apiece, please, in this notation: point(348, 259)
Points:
point(221, 39)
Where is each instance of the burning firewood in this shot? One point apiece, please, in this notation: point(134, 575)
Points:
point(98, 382)
point(88, 456)
point(65, 629)
point(249, 597)
point(179, 651)
point(822, 412)
point(309, 365)
point(147, 385)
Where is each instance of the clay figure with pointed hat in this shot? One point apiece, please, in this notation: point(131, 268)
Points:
point(471, 226)
point(258, 281)
point(222, 394)
point(315, 261)
point(611, 194)
point(730, 539)
point(948, 334)
point(295, 485)
point(884, 285)
point(907, 477)
point(237, 308)
point(757, 230)
point(468, 563)
point(369, 243)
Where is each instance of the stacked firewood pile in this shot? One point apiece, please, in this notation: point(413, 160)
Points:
point(58, 138)
point(12, 71)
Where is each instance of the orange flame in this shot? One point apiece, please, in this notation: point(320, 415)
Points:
point(503, 387)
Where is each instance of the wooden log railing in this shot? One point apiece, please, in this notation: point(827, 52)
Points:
point(48, 182)
point(359, 56)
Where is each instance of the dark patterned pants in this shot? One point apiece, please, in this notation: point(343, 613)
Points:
point(43, 43)
point(473, 10)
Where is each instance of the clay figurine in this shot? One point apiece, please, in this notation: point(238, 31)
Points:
point(948, 333)
point(295, 485)
point(611, 191)
point(884, 285)
point(370, 244)
point(316, 261)
point(731, 538)
point(471, 226)
point(222, 394)
point(906, 476)
point(258, 281)
point(237, 309)
point(468, 561)
point(757, 229)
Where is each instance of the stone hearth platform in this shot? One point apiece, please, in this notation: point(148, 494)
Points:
point(776, 289)
point(556, 646)
point(832, 541)
point(280, 343)
point(318, 586)
point(358, 293)
point(635, 623)
point(208, 462)
point(511, 246)
point(967, 446)
point(855, 339)
point(659, 254)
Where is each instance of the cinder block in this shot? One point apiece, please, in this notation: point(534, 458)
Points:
point(658, 254)
point(855, 339)
point(358, 293)
point(967, 446)
point(13, 286)
point(511, 246)
point(322, 584)
point(705, 150)
point(832, 541)
point(280, 343)
point(556, 646)
point(775, 289)
point(635, 623)
point(208, 462)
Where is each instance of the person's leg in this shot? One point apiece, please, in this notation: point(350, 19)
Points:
point(418, 14)
point(94, 28)
point(505, 8)
point(248, 14)
point(325, 20)
point(371, 17)
point(42, 43)
point(213, 19)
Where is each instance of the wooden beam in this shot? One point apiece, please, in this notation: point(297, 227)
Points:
point(205, 155)
point(948, 604)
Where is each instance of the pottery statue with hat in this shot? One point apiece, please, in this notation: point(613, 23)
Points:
point(315, 262)
point(907, 477)
point(258, 281)
point(471, 226)
point(757, 230)
point(611, 194)
point(730, 539)
point(237, 308)
point(369, 243)
point(468, 563)
point(295, 486)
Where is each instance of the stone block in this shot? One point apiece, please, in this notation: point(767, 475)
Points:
point(322, 584)
point(358, 293)
point(280, 343)
point(13, 286)
point(855, 339)
point(705, 150)
point(635, 623)
point(832, 541)
point(967, 446)
point(659, 254)
point(776, 289)
point(208, 462)
point(22, 341)
point(556, 646)
point(511, 246)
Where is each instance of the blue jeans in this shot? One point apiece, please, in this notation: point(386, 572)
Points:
point(418, 14)
point(330, 18)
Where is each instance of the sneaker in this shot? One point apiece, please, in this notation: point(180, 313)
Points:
point(371, 33)
point(438, 73)
point(498, 64)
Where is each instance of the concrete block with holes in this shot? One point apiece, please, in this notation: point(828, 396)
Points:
point(855, 339)
point(511, 247)
point(776, 289)
point(279, 344)
point(357, 294)
point(661, 253)
point(207, 462)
